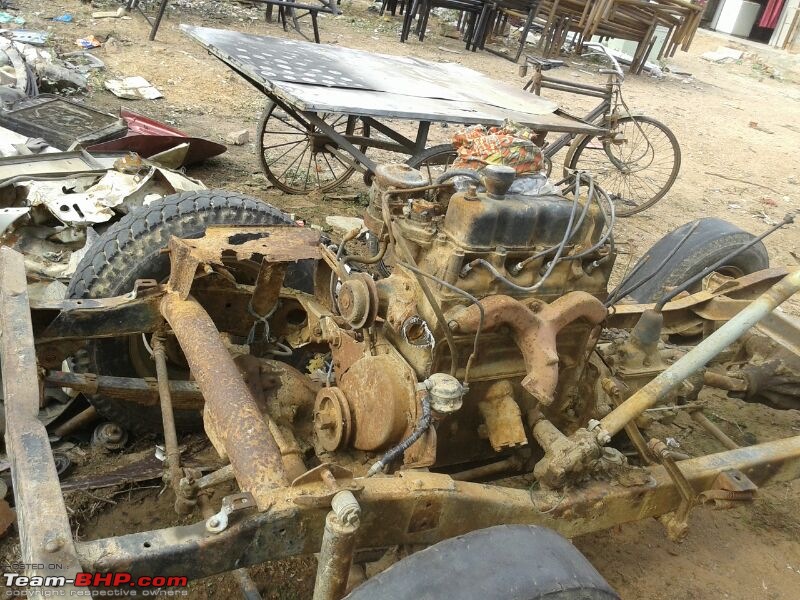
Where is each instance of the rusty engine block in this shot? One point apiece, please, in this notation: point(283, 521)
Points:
point(423, 322)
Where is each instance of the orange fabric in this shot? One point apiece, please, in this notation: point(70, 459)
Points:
point(508, 145)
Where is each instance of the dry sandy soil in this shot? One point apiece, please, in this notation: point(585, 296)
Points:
point(747, 553)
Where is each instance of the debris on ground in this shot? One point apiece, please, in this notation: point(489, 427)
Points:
point(345, 224)
point(238, 138)
point(88, 42)
point(133, 88)
point(158, 142)
point(722, 55)
point(26, 36)
point(757, 127)
point(49, 217)
point(26, 70)
point(9, 18)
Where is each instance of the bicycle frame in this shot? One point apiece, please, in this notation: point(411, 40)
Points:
point(600, 114)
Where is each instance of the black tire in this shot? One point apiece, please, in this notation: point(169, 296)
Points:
point(434, 161)
point(507, 562)
point(637, 182)
point(131, 249)
point(711, 241)
point(291, 141)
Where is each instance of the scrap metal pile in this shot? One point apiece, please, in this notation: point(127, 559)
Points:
point(361, 409)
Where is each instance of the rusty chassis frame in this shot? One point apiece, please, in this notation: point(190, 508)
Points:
point(279, 515)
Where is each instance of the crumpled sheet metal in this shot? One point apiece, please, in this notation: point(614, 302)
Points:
point(95, 203)
point(78, 202)
point(90, 206)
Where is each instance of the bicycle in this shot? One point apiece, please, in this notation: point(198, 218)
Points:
point(639, 158)
point(635, 162)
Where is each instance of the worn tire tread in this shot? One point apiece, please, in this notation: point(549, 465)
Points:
point(117, 258)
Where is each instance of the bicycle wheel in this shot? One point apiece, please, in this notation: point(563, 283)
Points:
point(434, 161)
point(636, 171)
point(297, 157)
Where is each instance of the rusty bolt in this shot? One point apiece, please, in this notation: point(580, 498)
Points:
point(54, 544)
point(601, 435)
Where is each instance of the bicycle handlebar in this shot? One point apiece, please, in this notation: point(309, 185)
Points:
point(614, 62)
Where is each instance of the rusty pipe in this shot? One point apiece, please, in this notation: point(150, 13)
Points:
point(335, 558)
point(167, 414)
point(534, 332)
point(724, 382)
point(660, 387)
point(83, 418)
point(253, 451)
point(712, 429)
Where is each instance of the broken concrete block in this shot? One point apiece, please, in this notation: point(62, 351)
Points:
point(133, 88)
point(345, 224)
point(238, 138)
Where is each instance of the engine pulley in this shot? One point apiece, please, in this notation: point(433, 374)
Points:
point(358, 300)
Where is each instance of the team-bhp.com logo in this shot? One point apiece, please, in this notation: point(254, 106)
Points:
point(113, 584)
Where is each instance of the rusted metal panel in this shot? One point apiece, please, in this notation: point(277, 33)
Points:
point(45, 535)
point(220, 244)
point(683, 311)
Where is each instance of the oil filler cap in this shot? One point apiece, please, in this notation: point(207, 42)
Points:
point(497, 179)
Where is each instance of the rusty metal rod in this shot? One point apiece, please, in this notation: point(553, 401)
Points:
point(712, 429)
point(237, 421)
point(185, 394)
point(167, 414)
point(512, 463)
point(46, 543)
point(83, 418)
point(659, 388)
point(215, 478)
point(335, 558)
point(724, 382)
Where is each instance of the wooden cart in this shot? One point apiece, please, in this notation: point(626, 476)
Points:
point(328, 106)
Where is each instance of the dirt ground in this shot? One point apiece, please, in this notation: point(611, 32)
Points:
point(730, 169)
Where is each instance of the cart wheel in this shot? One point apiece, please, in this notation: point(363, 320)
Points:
point(297, 158)
point(636, 172)
point(434, 161)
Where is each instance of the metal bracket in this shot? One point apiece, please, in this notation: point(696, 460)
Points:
point(234, 507)
point(333, 479)
point(677, 522)
point(731, 488)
